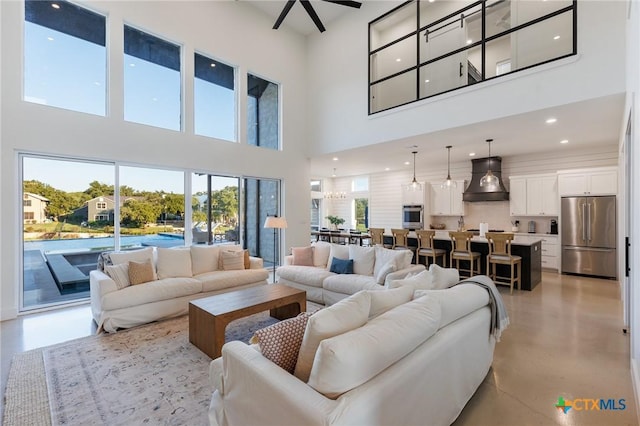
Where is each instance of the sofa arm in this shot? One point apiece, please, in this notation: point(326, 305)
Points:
point(99, 285)
point(288, 260)
point(402, 273)
point(256, 263)
point(276, 397)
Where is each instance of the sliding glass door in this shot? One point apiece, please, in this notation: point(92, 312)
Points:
point(261, 198)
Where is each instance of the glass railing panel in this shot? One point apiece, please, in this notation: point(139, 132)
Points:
point(498, 17)
point(526, 11)
point(393, 26)
point(452, 34)
point(393, 59)
point(444, 75)
point(393, 92)
point(431, 12)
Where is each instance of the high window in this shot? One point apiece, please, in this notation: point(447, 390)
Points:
point(152, 87)
point(424, 48)
point(262, 113)
point(214, 98)
point(65, 60)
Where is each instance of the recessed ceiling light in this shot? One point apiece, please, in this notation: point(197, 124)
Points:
point(213, 65)
point(469, 41)
point(398, 59)
point(426, 81)
point(335, 158)
point(55, 5)
point(132, 65)
point(551, 120)
point(50, 38)
point(431, 1)
point(472, 154)
point(564, 141)
point(386, 169)
point(557, 37)
point(406, 163)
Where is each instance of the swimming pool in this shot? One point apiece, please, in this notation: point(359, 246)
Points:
point(102, 243)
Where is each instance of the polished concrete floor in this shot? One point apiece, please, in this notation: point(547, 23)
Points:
point(565, 340)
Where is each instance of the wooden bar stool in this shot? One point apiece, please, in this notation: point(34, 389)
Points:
point(401, 240)
point(500, 254)
point(426, 249)
point(377, 237)
point(461, 250)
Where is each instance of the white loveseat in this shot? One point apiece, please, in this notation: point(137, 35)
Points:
point(396, 361)
point(373, 268)
point(179, 275)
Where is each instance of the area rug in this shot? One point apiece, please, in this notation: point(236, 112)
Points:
point(147, 375)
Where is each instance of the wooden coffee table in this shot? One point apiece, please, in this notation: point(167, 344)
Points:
point(209, 316)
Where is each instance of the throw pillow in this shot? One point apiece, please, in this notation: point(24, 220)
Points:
point(104, 259)
point(127, 256)
point(422, 281)
point(119, 274)
point(140, 272)
point(444, 277)
point(232, 260)
point(363, 259)
point(349, 313)
point(383, 300)
point(302, 256)
point(230, 247)
point(384, 270)
point(341, 266)
point(204, 259)
point(280, 342)
point(174, 263)
point(321, 252)
point(339, 251)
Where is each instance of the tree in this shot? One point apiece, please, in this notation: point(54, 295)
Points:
point(97, 189)
point(224, 204)
point(138, 213)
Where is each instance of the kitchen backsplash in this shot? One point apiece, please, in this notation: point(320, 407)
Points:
point(495, 213)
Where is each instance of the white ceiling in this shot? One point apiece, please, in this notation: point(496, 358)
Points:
point(586, 124)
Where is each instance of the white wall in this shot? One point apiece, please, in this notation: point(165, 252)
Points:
point(231, 31)
point(338, 117)
point(385, 196)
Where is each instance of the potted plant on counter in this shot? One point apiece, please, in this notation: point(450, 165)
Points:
point(335, 221)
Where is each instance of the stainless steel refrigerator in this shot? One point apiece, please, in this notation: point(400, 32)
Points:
point(589, 236)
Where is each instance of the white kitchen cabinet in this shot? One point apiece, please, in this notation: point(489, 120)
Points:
point(550, 252)
point(518, 196)
point(588, 182)
point(411, 197)
point(535, 195)
point(447, 201)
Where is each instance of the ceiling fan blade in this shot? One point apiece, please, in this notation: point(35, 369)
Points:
point(312, 13)
point(349, 3)
point(283, 14)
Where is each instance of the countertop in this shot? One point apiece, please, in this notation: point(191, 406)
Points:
point(478, 239)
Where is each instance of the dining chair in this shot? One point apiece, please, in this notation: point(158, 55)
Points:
point(461, 251)
point(377, 236)
point(427, 250)
point(401, 240)
point(337, 237)
point(355, 237)
point(500, 254)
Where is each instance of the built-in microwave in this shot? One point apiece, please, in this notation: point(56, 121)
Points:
point(412, 216)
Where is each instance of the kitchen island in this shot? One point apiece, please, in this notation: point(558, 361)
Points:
point(530, 252)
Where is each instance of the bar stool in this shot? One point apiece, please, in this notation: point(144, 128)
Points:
point(377, 236)
point(426, 249)
point(401, 240)
point(500, 254)
point(461, 250)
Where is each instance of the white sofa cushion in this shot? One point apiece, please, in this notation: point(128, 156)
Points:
point(443, 277)
point(400, 258)
point(204, 258)
point(321, 251)
point(174, 263)
point(384, 270)
point(421, 281)
point(349, 283)
point(364, 259)
point(126, 256)
point(350, 359)
point(308, 275)
point(384, 300)
point(339, 251)
point(349, 313)
point(218, 280)
point(153, 291)
point(457, 302)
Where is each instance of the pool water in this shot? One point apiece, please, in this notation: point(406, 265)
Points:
point(101, 243)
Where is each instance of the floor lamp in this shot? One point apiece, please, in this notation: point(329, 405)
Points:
point(275, 223)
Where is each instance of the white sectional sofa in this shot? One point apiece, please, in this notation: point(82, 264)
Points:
point(436, 350)
point(373, 267)
point(179, 275)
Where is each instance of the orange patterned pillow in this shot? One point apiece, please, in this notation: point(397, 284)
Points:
point(280, 342)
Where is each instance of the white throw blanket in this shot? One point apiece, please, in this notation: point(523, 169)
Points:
point(499, 316)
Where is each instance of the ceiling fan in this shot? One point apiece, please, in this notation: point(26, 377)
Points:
point(311, 11)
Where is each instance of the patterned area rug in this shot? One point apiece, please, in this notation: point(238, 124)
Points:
point(150, 374)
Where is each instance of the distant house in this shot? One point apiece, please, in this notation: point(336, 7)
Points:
point(99, 209)
point(34, 208)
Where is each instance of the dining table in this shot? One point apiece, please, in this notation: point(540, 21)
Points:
point(344, 237)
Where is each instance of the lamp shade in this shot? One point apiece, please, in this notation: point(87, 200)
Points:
point(275, 222)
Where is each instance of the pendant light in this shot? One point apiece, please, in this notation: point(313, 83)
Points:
point(448, 183)
point(489, 180)
point(414, 185)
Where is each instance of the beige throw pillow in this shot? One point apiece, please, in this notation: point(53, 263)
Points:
point(140, 272)
point(302, 256)
point(280, 342)
point(232, 260)
point(119, 274)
